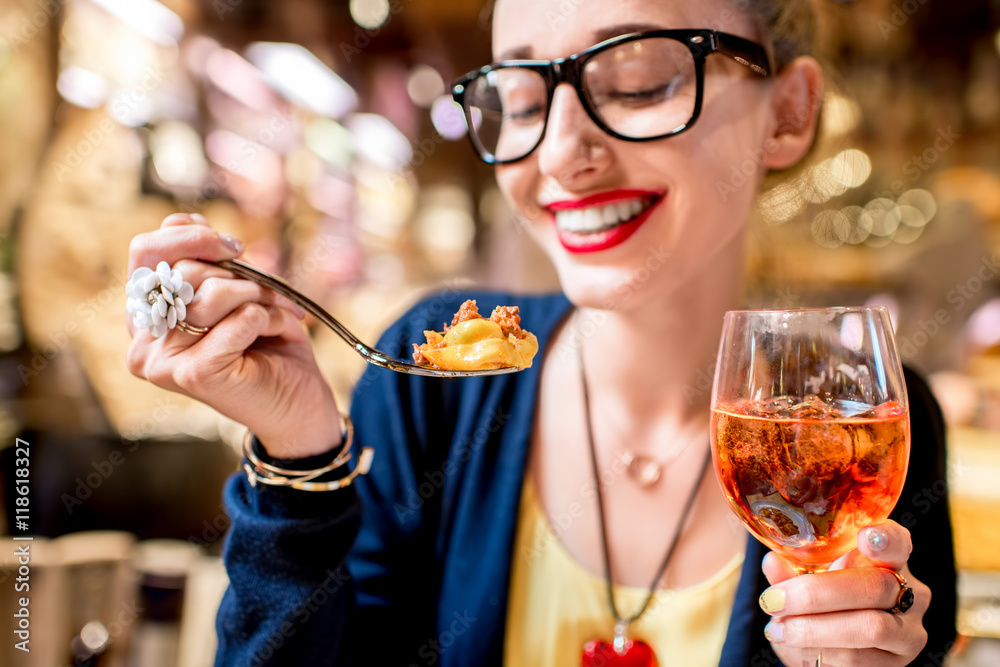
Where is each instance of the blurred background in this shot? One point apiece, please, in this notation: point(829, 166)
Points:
point(320, 133)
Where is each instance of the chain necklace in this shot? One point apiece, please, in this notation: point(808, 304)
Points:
point(622, 649)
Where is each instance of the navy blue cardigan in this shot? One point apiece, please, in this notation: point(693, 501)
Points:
point(420, 575)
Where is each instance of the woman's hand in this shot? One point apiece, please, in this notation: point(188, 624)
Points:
point(843, 611)
point(255, 364)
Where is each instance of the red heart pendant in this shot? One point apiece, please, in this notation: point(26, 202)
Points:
point(635, 653)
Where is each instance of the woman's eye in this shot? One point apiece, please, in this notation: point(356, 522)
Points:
point(648, 95)
point(523, 112)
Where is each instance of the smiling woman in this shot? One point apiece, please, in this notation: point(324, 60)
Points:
point(510, 501)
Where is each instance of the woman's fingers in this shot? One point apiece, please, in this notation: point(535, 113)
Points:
point(869, 629)
point(776, 568)
point(886, 544)
point(184, 219)
point(855, 588)
point(883, 545)
point(197, 364)
point(176, 241)
point(197, 273)
point(220, 356)
point(217, 297)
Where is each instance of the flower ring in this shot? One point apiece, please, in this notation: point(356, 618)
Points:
point(906, 597)
point(158, 300)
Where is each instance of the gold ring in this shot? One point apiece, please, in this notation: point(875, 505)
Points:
point(906, 596)
point(192, 329)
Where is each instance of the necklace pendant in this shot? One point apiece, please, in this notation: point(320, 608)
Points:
point(620, 652)
point(600, 653)
point(642, 469)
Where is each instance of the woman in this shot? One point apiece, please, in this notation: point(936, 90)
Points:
point(448, 562)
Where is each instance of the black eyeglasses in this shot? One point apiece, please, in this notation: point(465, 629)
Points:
point(637, 87)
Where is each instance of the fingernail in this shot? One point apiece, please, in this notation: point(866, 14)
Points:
point(199, 218)
point(775, 632)
point(772, 600)
point(232, 243)
point(878, 540)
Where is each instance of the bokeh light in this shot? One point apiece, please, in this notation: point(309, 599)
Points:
point(922, 200)
point(781, 203)
point(424, 85)
point(850, 168)
point(831, 228)
point(448, 118)
point(82, 87)
point(370, 14)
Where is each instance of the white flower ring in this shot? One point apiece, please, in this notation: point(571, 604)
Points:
point(158, 300)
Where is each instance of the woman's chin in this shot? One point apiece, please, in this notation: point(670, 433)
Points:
point(603, 287)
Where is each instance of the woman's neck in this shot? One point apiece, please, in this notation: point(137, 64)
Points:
point(658, 362)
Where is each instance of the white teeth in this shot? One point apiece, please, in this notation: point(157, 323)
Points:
point(599, 218)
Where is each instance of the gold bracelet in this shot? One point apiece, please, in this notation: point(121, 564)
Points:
point(259, 471)
point(347, 440)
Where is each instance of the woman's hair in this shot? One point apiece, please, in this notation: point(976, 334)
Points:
point(788, 30)
point(788, 27)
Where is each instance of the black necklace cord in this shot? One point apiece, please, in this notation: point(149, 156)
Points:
point(600, 511)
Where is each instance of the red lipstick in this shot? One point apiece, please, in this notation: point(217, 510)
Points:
point(584, 242)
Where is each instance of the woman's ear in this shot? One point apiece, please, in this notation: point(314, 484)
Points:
point(797, 97)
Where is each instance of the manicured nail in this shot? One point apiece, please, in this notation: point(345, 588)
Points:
point(775, 632)
point(878, 540)
point(232, 243)
point(772, 600)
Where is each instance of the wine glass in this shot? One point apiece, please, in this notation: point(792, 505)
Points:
point(810, 428)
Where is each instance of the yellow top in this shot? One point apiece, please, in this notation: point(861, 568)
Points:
point(556, 605)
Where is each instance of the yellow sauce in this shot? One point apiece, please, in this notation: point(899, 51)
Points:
point(479, 344)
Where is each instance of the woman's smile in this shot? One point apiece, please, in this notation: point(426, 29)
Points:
point(603, 220)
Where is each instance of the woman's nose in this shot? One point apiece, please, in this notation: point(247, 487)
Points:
point(574, 150)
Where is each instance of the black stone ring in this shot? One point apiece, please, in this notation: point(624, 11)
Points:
point(906, 597)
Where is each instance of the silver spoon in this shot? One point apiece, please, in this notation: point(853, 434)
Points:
point(369, 354)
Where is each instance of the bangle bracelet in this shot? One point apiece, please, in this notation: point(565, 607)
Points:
point(259, 471)
point(347, 440)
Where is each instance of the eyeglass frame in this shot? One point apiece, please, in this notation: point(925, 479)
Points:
point(702, 42)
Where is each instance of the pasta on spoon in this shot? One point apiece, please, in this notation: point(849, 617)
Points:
point(472, 342)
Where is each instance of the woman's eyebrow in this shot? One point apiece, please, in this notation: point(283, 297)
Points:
point(516, 53)
point(600, 35)
point(622, 29)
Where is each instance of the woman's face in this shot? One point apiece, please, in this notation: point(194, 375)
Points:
point(685, 200)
